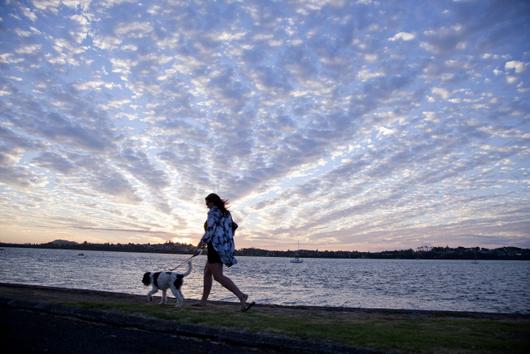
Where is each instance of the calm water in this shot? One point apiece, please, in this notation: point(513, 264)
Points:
point(491, 286)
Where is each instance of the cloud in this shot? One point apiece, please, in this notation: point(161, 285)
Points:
point(133, 29)
point(134, 231)
point(114, 184)
point(364, 75)
point(444, 39)
point(12, 147)
point(318, 121)
point(55, 162)
point(28, 49)
point(402, 36)
point(139, 165)
point(16, 176)
point(515, 65)
point(441, 92)
point(29, 14)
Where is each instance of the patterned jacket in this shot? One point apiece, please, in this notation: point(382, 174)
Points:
point(220, 233)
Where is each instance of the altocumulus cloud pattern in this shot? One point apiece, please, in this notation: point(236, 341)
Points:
point(343, 124)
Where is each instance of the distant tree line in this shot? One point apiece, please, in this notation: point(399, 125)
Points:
point(168, 247)
point(503, 253)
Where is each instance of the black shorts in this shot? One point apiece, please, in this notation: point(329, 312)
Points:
point(213, 256)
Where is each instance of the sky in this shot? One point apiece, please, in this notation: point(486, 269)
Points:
point(342, 125)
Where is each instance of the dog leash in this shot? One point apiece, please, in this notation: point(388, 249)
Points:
point(197, 252)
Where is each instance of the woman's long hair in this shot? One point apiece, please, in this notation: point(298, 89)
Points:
point(218, 202)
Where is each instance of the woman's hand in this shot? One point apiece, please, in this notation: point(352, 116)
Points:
point(201, 245)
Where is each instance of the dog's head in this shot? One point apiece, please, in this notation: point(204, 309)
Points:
point(146, 280)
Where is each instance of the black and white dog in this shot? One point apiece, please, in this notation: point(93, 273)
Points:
point(163, 281)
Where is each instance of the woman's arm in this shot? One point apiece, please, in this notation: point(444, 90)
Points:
point(202, 244)
point(210, 228)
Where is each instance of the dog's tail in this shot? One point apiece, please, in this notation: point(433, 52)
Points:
point(189, 270)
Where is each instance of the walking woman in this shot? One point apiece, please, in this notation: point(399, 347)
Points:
point(219, 238)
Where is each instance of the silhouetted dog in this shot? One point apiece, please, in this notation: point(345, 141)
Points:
point(163, 281)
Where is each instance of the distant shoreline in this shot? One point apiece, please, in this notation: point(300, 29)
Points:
point(435, 253)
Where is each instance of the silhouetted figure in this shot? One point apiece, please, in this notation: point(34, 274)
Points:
point(219, 238)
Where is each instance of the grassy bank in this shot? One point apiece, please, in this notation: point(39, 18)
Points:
point(401, 332)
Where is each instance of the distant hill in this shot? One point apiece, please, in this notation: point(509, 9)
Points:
point(503, 253)
point(62, 243)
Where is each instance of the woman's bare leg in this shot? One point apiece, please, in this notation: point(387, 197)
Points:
point(217, 271)
point(207, 284)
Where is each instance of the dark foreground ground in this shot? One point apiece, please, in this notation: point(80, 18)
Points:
point(36, 319)
point(30, 331)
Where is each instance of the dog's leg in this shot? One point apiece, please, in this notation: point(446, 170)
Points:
point(178, 295)
point(181, 298)
point(150, 294)
point(163, 300)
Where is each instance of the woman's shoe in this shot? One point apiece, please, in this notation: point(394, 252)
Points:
point(247, 307)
